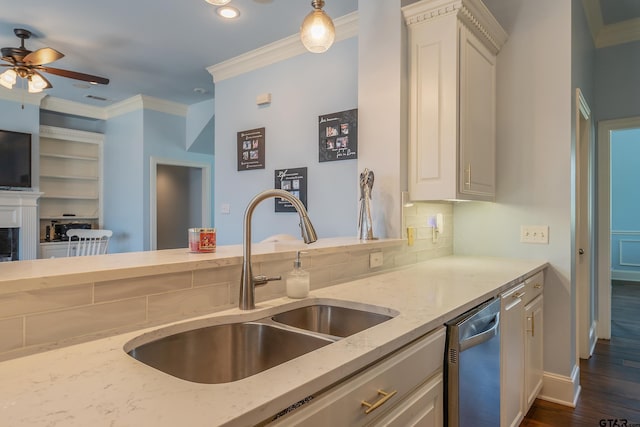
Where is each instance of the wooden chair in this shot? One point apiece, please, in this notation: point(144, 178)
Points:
point(90, 242)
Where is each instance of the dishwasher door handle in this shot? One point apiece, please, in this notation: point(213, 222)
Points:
point(483, 336)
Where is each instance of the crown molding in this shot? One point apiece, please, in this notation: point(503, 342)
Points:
point(60, 105)
point(612, 34)
point(472, 13)
point(622, 32)
point(21, 96)
point(142, 102)
point(70, 134)
point(346, 27)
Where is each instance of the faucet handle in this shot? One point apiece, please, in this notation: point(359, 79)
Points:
point(262, 279)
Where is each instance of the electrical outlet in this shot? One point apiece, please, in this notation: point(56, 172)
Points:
point(534, 234)
point(375, 259)
point(225, 209)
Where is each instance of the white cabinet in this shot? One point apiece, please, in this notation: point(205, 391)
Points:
point(404, 389)
point(521, 351)
point(70, 177)
point(512, 357)
point(534, 327)
point(452, 99)
point(54, 250)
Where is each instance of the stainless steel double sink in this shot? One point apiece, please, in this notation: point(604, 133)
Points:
point(232, 351)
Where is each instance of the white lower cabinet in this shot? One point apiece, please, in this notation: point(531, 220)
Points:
point(534, 327)
point(403, 389)
point(512, 357)
point(521, 352)
point(55, 250)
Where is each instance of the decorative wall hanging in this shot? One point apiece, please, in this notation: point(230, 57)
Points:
point(251, 149)
point(338, 136)
point(295, 182)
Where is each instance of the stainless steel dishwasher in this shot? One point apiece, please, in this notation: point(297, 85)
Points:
point(472, 360)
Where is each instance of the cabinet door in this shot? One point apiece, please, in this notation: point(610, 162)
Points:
point(512, 358)
point(54, 250)
point(477, 118)
point(423, 408)
point(533, 367)
point(387, 383)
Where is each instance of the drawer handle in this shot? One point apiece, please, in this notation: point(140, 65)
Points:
point(537, 285)
point(373, 406)
point(518, 295)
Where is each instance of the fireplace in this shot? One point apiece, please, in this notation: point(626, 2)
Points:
point(19, 211)
point(9, 244)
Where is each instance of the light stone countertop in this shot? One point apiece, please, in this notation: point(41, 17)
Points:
point(98, 384)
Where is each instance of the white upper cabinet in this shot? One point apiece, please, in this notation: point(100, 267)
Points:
point(452, 93)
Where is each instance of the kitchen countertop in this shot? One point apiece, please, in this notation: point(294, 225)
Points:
point(98, 384)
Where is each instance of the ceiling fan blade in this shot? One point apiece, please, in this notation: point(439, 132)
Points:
point(42, 56)
point(75, 75)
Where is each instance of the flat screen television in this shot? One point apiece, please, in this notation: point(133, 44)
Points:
point(15, 160)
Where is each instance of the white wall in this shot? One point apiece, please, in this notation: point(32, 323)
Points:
point(303, 88)
point(534, 116)
point(382, 117)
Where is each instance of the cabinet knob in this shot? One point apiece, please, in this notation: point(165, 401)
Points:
point(581, 251)
point(373, 406)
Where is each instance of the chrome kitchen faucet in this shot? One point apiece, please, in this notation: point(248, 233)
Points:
point(247, 281)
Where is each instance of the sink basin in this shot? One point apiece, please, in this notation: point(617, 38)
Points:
point(331, 320)
point(225, 353)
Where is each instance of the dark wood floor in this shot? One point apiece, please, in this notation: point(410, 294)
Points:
point(610, 379)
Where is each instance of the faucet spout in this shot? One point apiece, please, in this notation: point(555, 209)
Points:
point(247, 280)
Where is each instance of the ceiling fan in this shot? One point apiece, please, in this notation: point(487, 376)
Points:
point(29, 65)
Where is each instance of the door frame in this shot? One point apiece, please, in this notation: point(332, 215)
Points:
point(605, 128)
point(205, 169)
point(587, 319)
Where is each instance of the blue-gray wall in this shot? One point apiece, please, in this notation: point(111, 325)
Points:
point(302, 88)
point(625, 203)
point(131, 140)
point(618, 81)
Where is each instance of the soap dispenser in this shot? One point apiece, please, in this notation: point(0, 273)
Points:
point(298, 280)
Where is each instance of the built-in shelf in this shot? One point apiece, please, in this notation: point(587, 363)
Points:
point(67, 156)
point(70, 178)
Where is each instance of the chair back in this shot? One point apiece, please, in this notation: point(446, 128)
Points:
point(90, 242)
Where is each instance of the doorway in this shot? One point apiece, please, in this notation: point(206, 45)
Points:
point(584, 259)
point(180, 199)
point(605, 132)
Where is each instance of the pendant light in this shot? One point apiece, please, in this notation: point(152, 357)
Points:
point(8, 78)
point(317, 31)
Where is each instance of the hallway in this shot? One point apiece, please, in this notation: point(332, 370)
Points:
point(610, 379)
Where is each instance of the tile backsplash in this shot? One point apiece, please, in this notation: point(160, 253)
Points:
point(38, 320)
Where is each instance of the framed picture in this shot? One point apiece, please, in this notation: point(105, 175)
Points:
point(338, 136)
point(251, 149)
point(295, 182)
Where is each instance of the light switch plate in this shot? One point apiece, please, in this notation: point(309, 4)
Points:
point(534, 234)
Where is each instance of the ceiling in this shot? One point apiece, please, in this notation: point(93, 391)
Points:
point(162, 48)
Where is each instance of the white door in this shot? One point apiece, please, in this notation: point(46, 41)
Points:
point(584, 257)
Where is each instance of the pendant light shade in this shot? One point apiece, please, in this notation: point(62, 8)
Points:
point(8, 78)
point(317, 31)
point(37, 83)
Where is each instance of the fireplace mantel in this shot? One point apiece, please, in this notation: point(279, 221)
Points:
point(19, 209)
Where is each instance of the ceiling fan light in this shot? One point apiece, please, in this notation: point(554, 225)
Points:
point(36, 83)
point(8, 78)
point(317, 31)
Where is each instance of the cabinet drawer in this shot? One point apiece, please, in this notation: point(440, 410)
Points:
point(533, 287)
point(401, 373)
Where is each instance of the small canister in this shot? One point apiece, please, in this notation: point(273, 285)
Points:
point(202, 239)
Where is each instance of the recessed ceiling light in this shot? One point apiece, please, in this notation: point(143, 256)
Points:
point(228, 12)
point(200, 90)
point(82, 85)
point(218, 2)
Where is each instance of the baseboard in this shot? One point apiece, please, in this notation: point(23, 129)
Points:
point(561, 389)
point(630, 276)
